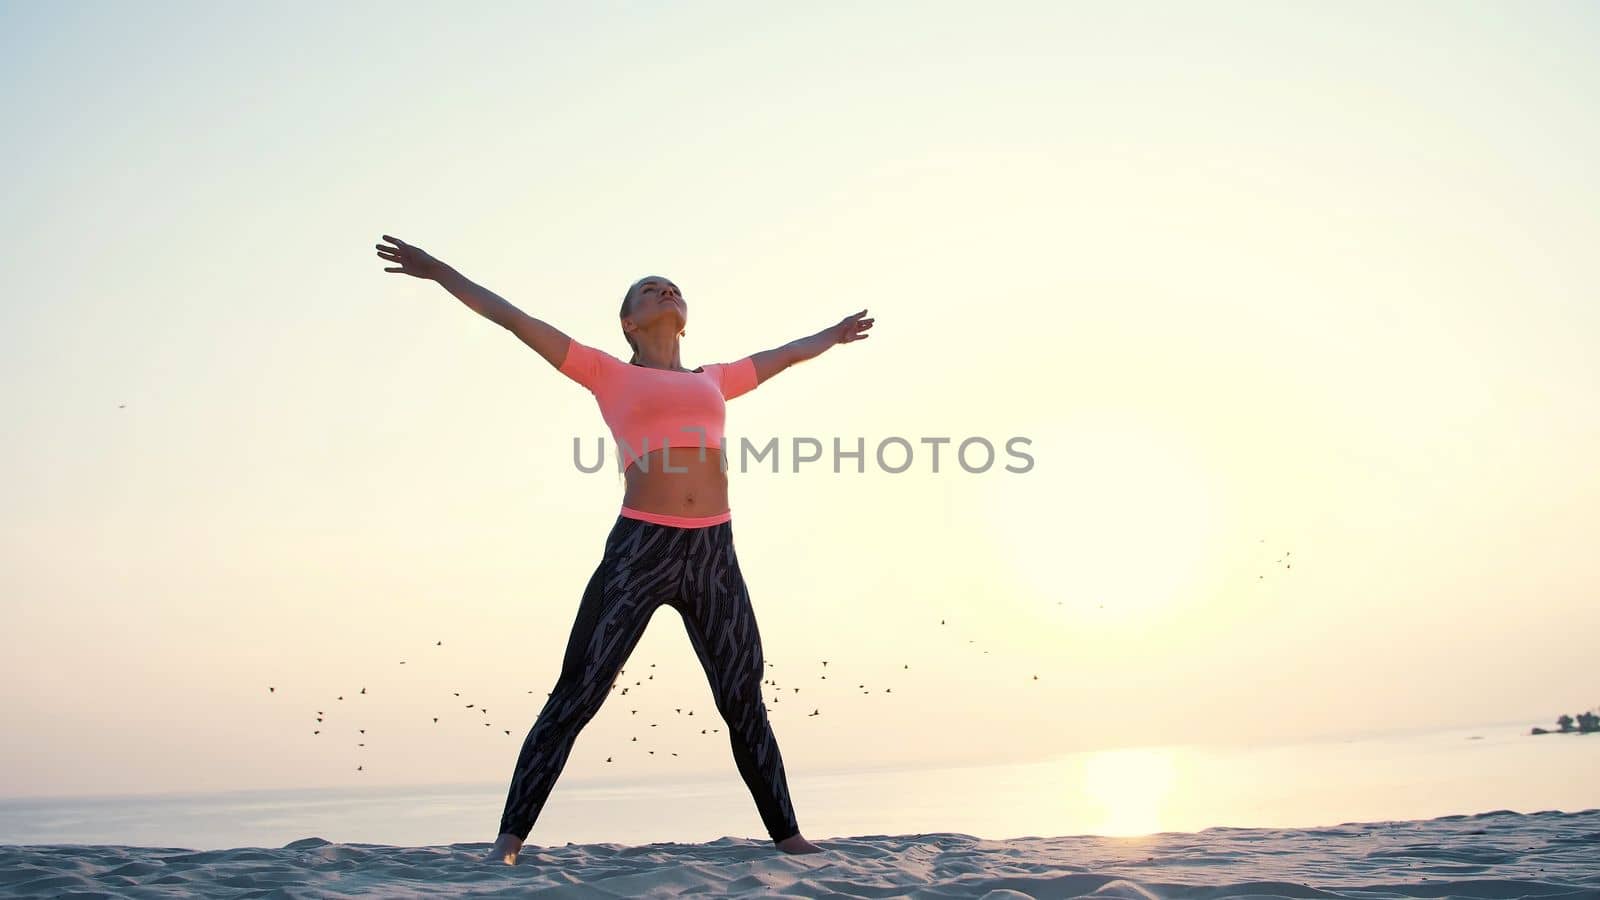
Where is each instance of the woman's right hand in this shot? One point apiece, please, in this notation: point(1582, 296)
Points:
point(413, 261)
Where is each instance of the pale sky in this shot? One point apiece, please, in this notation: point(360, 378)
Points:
point(1263, 284)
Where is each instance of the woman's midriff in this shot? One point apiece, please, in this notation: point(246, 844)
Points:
point(693, 487)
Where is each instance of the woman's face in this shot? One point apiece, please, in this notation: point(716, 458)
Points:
point(658, 302)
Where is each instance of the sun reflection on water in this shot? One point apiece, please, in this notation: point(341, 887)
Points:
point(1130, 788)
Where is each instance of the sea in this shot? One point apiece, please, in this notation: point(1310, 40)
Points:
point(1376, 778)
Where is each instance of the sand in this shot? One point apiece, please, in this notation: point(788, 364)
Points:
point(1500, 854)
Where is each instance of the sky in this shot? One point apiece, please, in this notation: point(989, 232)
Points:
point(1293, 305)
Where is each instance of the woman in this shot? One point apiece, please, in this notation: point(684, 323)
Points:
point(672, 543)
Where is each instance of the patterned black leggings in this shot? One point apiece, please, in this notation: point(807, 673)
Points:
point(695, 571)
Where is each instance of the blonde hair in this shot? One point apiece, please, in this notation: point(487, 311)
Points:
point(627, 301)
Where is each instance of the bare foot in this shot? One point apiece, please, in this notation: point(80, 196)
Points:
point(797, 844)
point(505, 850)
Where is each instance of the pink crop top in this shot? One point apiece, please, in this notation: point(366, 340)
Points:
point(642, 404)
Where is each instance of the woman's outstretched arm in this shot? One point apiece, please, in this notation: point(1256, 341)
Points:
point(770, 362)
point(550, 342)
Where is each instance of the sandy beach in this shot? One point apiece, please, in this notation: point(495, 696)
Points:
point(429, 425)
point(1498, 854)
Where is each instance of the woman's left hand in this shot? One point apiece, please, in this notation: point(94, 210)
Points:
point(851, 328)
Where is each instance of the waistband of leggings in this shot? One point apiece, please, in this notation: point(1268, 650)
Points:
point(677, 521)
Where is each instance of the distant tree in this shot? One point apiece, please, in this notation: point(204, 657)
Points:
point(1565, 722)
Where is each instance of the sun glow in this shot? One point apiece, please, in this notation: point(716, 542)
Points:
point(1130, 787)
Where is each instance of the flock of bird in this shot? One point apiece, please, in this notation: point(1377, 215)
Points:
point(776, 692)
